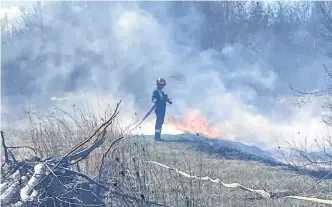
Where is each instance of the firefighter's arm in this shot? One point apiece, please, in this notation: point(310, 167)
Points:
point(154, 97)
point(167, 99)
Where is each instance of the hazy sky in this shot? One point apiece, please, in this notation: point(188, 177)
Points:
point(12, 8)
point(125, 47)
point(7, 3)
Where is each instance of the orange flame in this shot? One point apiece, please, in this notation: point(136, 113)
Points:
point(195, 123)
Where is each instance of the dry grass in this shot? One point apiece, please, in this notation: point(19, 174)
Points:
point(134, 182)
point(155, 184)
point(180, 191)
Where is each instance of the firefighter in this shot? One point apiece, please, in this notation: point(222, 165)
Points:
point(159, 98)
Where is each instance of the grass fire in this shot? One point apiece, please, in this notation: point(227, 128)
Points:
point(194, 122)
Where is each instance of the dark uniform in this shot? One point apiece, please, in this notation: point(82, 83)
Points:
point(160, 99)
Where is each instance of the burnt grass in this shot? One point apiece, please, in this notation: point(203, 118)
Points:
point(212, 147)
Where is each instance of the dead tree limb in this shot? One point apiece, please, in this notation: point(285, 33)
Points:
point(39, 173)
point(82, 154)
point(24, 147)
point(10, 188)
point(5, 149)
point(104, 126)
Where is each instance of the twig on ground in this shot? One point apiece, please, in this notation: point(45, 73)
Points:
point(320, 180)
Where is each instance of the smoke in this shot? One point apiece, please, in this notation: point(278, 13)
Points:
point(116, 51)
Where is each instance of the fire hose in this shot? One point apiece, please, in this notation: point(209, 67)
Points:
point(262, 193)
point(137, 124)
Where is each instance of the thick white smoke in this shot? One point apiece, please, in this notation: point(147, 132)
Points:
point(116, 51)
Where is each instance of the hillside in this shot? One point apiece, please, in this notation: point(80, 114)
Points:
point(199, 142)
point(251, 173)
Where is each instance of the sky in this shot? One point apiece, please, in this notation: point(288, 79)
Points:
point(12, 7)
point(240, 92)
point(12, 10)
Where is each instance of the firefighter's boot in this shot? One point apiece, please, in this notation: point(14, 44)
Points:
point(157, 135)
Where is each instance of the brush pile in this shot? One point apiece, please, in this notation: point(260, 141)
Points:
point(53, 181)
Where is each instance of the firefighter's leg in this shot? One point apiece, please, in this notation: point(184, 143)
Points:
point(159, 124)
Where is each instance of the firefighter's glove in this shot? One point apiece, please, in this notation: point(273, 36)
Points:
point(169, 101)
point(165, 97)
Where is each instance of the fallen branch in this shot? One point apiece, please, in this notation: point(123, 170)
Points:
point(85, 152)
point(24, 147)
point(39, 172)
point(320, 180)
point(12, 186)
point(104, 125)
point(85, 176)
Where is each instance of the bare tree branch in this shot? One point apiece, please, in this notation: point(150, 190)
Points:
point(105, 125)
point(5, 149)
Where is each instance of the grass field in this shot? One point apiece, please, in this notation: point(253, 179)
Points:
point(136, 182)
point(174, 190)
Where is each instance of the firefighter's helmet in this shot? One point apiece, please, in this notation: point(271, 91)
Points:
point(161, 81)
